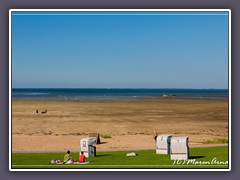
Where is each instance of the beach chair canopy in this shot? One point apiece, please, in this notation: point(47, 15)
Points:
point(179, 145)
point(96, 135)
point(163, 140)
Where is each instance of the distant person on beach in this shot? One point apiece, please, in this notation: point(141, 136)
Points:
point(44, 112)
point(81, 157)
point(36, 110)
point(155, 134)
point(68, 158)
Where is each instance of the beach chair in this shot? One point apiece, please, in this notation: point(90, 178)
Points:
point(179, 148)
point(163, 144)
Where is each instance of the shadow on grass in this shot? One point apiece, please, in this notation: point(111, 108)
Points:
point(102, 155)
point(196, 157)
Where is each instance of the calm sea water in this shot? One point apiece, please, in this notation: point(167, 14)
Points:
point(109, 94)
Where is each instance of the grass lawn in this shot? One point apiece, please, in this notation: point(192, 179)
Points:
point(211, 157)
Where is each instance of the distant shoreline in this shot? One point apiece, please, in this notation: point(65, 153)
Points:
point(113, 94)
point(115, 98)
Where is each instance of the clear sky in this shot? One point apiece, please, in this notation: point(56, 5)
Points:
point(120, 50)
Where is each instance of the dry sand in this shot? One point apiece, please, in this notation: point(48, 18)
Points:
point(129, 123)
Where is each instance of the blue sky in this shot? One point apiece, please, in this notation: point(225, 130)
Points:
point(120, 50)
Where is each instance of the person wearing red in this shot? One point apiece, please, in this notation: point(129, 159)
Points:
point(155, 134)
point(81, 158)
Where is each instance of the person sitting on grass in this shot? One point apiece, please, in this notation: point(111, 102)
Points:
point(81, 157)
point(68, 158)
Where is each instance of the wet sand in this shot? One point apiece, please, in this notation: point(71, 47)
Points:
point(128, 123)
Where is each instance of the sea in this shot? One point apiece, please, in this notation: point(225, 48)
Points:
point(112, 94)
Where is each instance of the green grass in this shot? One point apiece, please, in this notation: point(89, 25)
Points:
point(106, 136)
point(144, 159)
point(216, 141)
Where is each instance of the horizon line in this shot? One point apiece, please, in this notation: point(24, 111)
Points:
point(111, 88)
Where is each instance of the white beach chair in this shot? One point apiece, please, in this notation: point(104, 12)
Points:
point(179, 148)
point(163, 144)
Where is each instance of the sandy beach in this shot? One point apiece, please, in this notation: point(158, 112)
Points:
point(127, 124)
